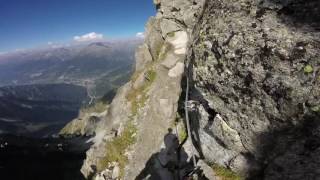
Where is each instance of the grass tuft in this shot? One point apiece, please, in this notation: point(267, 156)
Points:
point(166, 48)
point(316, 108)
point(116, 148)
point(225, 173)
point(138, 96)
point(171, 34)
point(158, 49)
point(182, 134)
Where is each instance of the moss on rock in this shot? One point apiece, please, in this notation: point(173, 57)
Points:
point(308, 69)
point(138, 96)
point(315, 108)
point(225, 173)
point(116, 148)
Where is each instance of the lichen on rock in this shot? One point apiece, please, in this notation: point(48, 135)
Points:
point(255, 63)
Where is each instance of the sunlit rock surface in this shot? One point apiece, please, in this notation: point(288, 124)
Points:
point(253, 67)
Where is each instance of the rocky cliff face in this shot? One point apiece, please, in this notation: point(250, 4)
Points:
point(253, 67)
point(147, 105)
point(255, 71)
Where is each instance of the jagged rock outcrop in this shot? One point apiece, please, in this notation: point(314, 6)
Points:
point(255, 70)
point(253, 67)
point(150, 99)
point(84, 125)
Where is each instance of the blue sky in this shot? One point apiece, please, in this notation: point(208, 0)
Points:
point(33, 23)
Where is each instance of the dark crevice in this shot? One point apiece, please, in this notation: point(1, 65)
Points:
point(302, 13)
point(215, 49)
point(229, 39)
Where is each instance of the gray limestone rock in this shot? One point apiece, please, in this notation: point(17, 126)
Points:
point(169, 26)
point(253, 67)
point(257, 66)
point(143, 57)
point(154, 40)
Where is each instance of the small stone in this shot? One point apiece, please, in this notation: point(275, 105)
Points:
point(208, 44)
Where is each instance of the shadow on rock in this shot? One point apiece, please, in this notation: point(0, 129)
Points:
point(292, 153)
point(296, 13)
point(171, 163)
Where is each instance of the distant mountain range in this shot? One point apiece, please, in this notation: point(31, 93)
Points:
point(98, 66)
point(43, 89)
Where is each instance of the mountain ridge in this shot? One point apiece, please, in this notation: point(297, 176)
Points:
point(253, 70)
point(86, 64)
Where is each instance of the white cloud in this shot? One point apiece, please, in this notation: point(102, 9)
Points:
point(140, 35)
point(20, 50)
point(57, 46)
point(54, 45)
point(88, 37)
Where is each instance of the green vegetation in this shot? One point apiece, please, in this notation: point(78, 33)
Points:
point(225, 173)
point(138, 96)
point(150, 76)
point(182, 134)
point(78, 127)
point(171, 34)
point(316, 108)
point(308, 69)
point(178, 122)
point(162, 49)
point(158, 50)
point(137, 74)
point(117, 147)
point(73, 128)
point(166, 48)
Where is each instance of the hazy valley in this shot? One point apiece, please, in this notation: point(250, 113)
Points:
point(43, 89)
